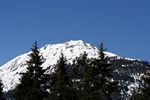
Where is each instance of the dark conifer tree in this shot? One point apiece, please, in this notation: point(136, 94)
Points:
point(32, 82)
point(103, 84)
point(61, 89)
point(83, 77)
point(94, 77)
point(1, 91)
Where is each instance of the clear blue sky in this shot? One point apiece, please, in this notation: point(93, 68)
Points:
point(123, 25)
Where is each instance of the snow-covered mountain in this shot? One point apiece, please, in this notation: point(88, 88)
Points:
point(9, 72)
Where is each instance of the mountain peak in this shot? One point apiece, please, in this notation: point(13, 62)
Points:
point(66, 44)
point(71, 42)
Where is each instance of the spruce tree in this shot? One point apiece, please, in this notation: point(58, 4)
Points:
point(1, 91)
point(33, 80)
point(83, 77)
point(103, 84)
point(61, 89)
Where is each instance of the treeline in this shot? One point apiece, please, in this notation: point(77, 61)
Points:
point(85, 79)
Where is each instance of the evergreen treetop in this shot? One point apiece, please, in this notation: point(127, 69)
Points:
point(104, 86)
point(1, 91)
point(33, 80)
point(61, 89)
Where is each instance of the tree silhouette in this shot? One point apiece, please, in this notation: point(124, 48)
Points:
point(32, 82)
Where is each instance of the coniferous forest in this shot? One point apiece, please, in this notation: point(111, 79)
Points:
point(84, 79)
